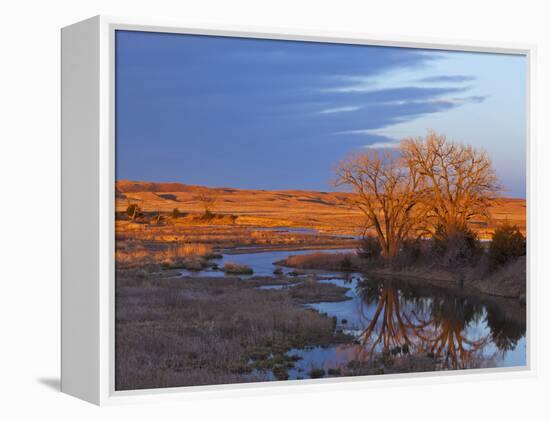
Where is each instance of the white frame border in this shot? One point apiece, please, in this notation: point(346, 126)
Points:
point(108, 25)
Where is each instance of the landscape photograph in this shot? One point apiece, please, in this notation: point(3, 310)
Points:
point(291, 210)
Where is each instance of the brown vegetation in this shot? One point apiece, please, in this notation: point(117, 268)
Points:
point(207, 200)
point(326, 261)
point(237, 269)
point(130, 254)
point(182, 332)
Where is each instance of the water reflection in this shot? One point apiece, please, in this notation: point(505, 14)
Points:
point(457, 331)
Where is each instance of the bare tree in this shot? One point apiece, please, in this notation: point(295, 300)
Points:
point(460, 178)
point(207, 200)
point(388, 192)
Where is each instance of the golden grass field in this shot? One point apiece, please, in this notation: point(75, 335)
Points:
point(327, 212)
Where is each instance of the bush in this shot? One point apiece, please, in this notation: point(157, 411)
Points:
point(369, 247)
point(237, 269)
point(176, 213)
point(507, 243)
point(133, 210)
point(317, 373)
point(411, 251)
point(346, 264)
point(460, 246)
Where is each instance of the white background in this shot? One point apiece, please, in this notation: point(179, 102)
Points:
point(30, 195)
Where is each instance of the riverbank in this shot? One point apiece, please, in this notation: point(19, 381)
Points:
point(508, 281)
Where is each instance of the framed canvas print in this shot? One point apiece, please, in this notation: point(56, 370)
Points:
point(245, 208)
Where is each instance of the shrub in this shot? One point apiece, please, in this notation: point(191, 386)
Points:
point(507, 243)
point(346, 264)
point(459, 247)
point(133, 210)
point(207, 215)
point(176, 213)
point(411, 251)
point(369, 247)
point(191, 263)
point(237, 268)
point(280, 372)
point(317, 373)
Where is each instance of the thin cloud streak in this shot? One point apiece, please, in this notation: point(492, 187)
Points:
point(339, 110)
point(447, 79)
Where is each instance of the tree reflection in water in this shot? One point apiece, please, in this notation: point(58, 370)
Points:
point(432, 324)
point(449, 338)
point(390, 326)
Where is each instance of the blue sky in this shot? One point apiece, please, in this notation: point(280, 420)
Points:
point(269, 114)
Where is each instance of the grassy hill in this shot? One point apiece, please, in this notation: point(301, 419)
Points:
point(325, 211)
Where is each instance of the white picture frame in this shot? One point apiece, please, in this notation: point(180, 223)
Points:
point(88, 210)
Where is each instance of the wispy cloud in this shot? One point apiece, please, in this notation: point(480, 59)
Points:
point(459, 101)
point(437, 100)
point(340, 109)
point(358, 131)
point(447, 79)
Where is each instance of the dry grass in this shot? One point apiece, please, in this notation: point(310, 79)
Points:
point(185, 332)
point(509, 280)
point(326, 261)
point(221, 236)
point(312, 291)
point(134, 254)
point(326, 211)
point(185, 250)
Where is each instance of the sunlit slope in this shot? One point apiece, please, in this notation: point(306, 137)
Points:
point(326, 211)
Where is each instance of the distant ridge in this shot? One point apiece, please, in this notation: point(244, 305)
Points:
point(127, 186)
